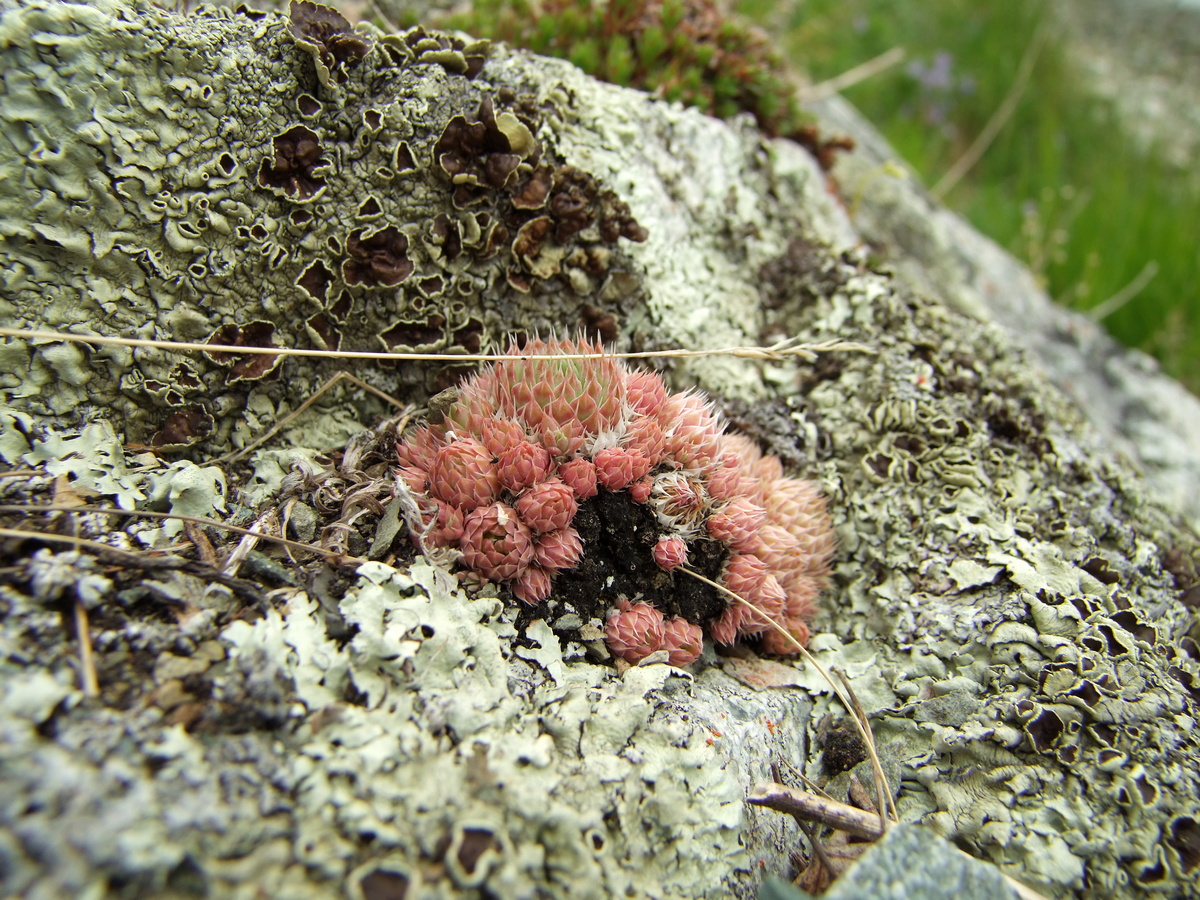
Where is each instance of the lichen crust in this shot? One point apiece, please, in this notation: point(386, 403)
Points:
point(256, 180)
point(1015, 617)
point(421, 752)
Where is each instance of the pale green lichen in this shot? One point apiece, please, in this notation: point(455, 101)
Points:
point(271, 467)
point(1004, 602)
point(148, 159)
point(179, 189)
point(581, 782)
point(93, 460)
point(185, 489)
point(15, 428)
point(1004, 610)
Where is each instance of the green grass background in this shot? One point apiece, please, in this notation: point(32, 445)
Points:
point(1062, 187)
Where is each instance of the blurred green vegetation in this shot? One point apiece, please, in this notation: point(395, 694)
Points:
point(1062, 186)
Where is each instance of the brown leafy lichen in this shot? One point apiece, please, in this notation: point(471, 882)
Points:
point(329, 37)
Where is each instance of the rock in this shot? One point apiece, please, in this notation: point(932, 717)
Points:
point(1135, 409)
point(909, 861)
point(1010, 604)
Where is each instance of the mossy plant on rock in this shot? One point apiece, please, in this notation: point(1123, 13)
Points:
point(685, 50)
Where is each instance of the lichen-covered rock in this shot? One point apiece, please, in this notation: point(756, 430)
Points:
point(427, 749)
point(1016, 616)
point(909, 862)
point(244, 179)
point(1008, 604)
point(1123, 393)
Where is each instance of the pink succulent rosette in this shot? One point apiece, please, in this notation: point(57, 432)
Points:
point(532, 586)
point(683, 641)
point(446, 527)
point(619, 467)
point(548, 506)
point(580, 475)
point(463, 475)
point(557, 550)
point(496, 543)
point(634, 631)
point(523, 464)
point(670, 552)
point(535, 438)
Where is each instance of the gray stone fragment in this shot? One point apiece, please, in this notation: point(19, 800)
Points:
point(908, 863)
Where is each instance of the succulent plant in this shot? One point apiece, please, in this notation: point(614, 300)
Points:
point(548, 505)
point(580, 474)
point(532, 585)
point(496, 543)
point(683, 641)
point(522, 464)
point(618, 467)
point(670, 552)
point(634, 631)
point(560, 549)
point(534, 442)
point(463, 475)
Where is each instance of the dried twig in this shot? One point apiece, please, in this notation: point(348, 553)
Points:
point(337, 559)
point(295, 413)
point(249, 541)
point(246, 589)
point(857, 715)
point(808, 807)
point(87, 660)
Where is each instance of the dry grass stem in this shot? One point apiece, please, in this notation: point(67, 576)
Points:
point(779, 352)
point(999, 118)
point(87, 659)
point(337, 559)
point(818, 847)
point(153, 561)
point(886, 808)
point(885, 800)
point(1107, 307)
point(299, 410)
point(851, 77)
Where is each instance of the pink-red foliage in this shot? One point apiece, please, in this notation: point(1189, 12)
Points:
point(529, 439)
